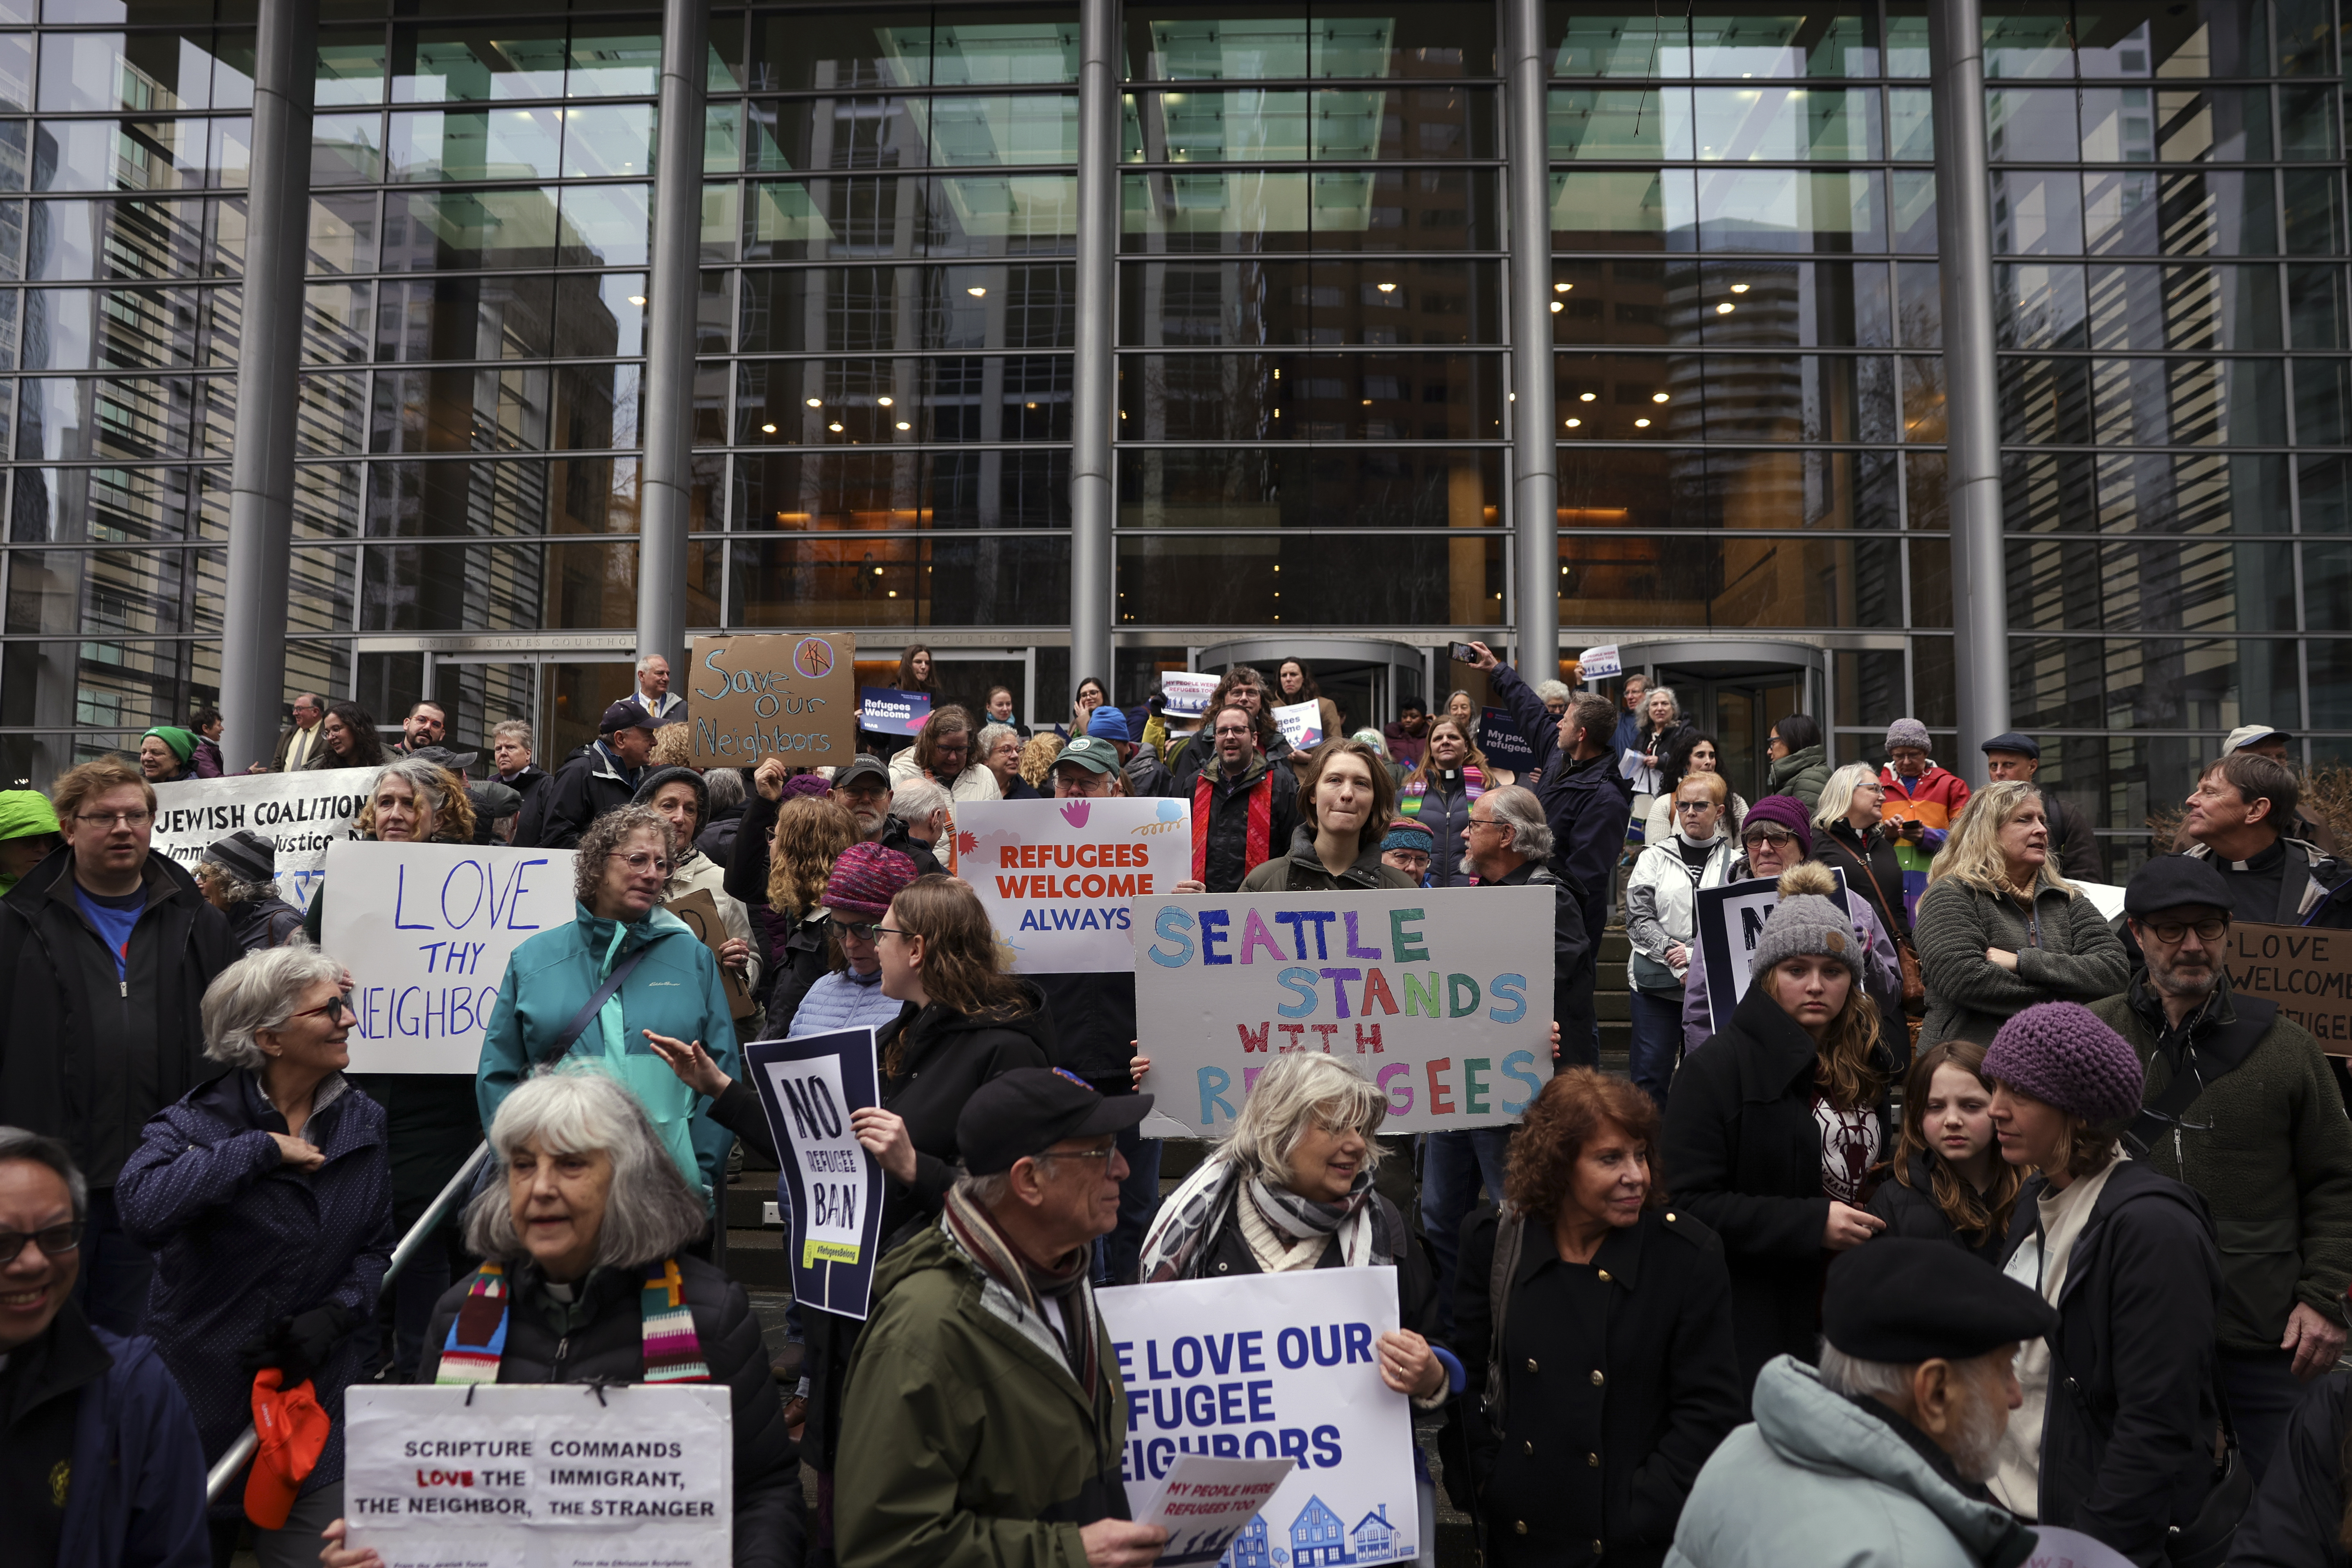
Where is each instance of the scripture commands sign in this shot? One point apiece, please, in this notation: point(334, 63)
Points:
point(1440, 996)
point(540, 1474)
point(2308, 973)
point(793, 696)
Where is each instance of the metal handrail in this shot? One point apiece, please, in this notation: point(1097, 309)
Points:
point(229, 1466)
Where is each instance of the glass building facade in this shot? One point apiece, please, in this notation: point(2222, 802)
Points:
point(1309, 357)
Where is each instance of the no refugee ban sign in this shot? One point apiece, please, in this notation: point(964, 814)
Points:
point(809, 1087)
point(1440, 996)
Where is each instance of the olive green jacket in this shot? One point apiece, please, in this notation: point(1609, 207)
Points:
point(2268, 1147)
point(965, 1442)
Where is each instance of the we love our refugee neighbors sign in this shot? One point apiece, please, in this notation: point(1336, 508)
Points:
point(1442, 996)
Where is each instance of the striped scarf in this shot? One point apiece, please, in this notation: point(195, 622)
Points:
point(478, 1338)
point(1473, 784)
point(974, 1229)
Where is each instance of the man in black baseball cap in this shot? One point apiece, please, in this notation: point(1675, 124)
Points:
point(985, 1402)
point(1884, 1452)
point(599, 779)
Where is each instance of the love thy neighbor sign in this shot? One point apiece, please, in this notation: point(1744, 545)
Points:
point(1442, 996)
point(793, 696)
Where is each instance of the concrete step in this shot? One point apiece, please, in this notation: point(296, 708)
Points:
point(757, 1261)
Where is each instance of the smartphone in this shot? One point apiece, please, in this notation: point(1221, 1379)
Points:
point(1461, 653)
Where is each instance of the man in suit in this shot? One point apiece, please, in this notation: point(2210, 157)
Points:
point(300, 745)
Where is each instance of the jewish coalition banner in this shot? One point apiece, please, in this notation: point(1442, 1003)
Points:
point(809, 1087)
point(1056, 876)
point(540, 1474)
point(426, 930)
point(1274, 1366)
point(1440, 996)
point(301, 813)
point(1729, 921)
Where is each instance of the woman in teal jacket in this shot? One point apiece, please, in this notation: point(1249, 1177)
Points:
point(672, 990)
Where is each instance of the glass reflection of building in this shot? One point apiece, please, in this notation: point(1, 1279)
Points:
point(1313, 427)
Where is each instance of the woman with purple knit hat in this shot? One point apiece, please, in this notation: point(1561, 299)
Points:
point(2116, 1437)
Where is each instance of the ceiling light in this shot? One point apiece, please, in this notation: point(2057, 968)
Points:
point(977, 292)
point(1586, 396)
point(1029, 406)
point(877, 571)
point(767, 429)
point(1574, 422)
point(1723, 309)
point(1739, 287)
point(1555, 307)
point(636, 299)
point(816, 402)
point(904, 426)
point(883, 400)
point(894, 593)
point(1640, 424)
point(1657, 397)
point(835, 426)
point(1385, 287)
point(1561, 288)
point(1368, 403)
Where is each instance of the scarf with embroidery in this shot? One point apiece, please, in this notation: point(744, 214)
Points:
point(974, 1229)
point(1177, 1246)
point(1409, 801)
point(477, 1339)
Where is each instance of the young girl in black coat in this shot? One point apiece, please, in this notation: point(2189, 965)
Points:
point(1946, 1181)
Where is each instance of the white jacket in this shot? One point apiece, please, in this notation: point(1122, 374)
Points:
point(1661, 818)
point(1660, 909)
point(975, 783)
point(699, 872)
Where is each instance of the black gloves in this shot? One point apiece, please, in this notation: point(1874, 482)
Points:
point(301, 1344)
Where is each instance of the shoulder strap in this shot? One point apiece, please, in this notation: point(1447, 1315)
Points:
point(1861, 859)
point(2198, 1073)
point(579, 1025)
point(1510, 1231)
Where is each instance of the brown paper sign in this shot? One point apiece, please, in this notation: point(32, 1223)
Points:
point(700, 912)
point(791, 696)
point(2308, 973)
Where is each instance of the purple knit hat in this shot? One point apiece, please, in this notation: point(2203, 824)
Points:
point(1781, 811)
point(864, 881)
point(2060, 1054)
point(807, 783)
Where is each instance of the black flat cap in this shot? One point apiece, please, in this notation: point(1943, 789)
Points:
point(2024, 746)
point(1028, 1111)
point(2171, 881)
point(1903, 1302)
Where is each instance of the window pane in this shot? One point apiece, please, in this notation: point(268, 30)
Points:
point(1385, 209)
point(2155, 584)
point(1787, 209)
point(901, 582)
point(612, 61)
point(351, 66)
point(346, 148)
point(810, 133)
point(992, 132)
point(1587, 44)
point(844, 403)
point(2215, 125)
point(1635, 124)
point(605, 226)
point(497, 145)
point(1016, 44)
point(866, 308)
point(442, 63)
point(966, 215)
point(1297, 398)
point(1248, 303)
point(607, 139)
point(464, 317)
point(866, 46)
point(1624, 210)
point(2151, 492)
point(802, 492)
point(430, 231)
point(2026, 124)
point(1237, 43)
point(1415, 488)
point(1230, 580)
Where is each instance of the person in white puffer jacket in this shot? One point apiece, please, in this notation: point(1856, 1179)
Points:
point(1661, 922)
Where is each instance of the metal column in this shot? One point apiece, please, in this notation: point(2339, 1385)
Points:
point(1534, 421)
point(1964, 237)
point(269, 388)
point(1093, 383)
point(665, 497)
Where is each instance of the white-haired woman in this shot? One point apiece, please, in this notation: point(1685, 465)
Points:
point(1849, 839)
point(1290, 1188)
point(265, 1195)
point(1662, 725)
point(586, 1280)
point(2000, 930)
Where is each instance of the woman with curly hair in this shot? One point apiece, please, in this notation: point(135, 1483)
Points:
point(1946, 1181)
point(1599, 1274)
point(1038, 760)
point(812, 830)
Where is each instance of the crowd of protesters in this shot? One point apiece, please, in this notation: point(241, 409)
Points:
point(1970, 1212)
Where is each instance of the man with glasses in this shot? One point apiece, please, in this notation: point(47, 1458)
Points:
point(598, 780)
point(105, 954)
point(1243, 808)
point(2241, 1104)
point(97, 1445)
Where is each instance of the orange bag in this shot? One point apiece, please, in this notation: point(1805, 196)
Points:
point(293, 1432)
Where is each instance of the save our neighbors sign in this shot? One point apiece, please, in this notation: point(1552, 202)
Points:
point(793, 696)
point(1442, 997)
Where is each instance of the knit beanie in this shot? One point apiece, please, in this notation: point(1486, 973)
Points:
point(807, 783)
point(2060, 1054)
point(1906, 732)
point(864, 880)
point(1781, 811)
point(1806, 922)
point(247, 856)
point(26, 812)
point(181, 742)
point(1406, 834)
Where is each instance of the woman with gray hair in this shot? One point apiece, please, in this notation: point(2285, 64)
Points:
point(585, 1278)
point(265, 1195)
point(1290, 1188)
point(649, 977)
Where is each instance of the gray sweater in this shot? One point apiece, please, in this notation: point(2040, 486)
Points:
point(2076, 957)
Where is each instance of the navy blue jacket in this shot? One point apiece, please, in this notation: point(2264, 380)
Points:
point(243, 1243)
point(1587, 804)
point(136, 1498)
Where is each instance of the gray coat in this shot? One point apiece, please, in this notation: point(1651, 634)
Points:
point(1818, 1477)
point(2068, 952)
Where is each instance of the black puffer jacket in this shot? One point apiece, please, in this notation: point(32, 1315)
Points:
point(2126, 1442)
point(1588, 806)
point(1910, 1210)
point(259, 924)
point(601, 1338)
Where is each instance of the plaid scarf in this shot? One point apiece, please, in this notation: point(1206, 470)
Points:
point(1177, 1245)
point(478, 1338)
point(975, 1230)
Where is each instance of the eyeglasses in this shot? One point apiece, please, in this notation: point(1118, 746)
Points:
point(1483, 822)
point(332, 1009)
point(1693, 806)
point(642, 860)
point(1103, 1153)
point(892, 931)
point(56, 1241)
point(105, 818)
point(862, 932)
point(1767, 836)
point(2207, 930)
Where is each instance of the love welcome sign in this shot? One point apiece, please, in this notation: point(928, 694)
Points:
point(793, 696)
point(1442, 996)
point(426, 930)
point(1056, 876)
point(2303, 969)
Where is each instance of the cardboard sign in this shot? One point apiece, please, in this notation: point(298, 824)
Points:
point(1729, 921)
point(1057, 876)
point(1599, 663)
point(699, 910)
point(1274, 1366)
point(540, 1474)
point(886, 710)
point(1440, 996)
point(426, 930)
point(808, 1087)
point(1500, 738)
point(1188, 695)
point(301, 813)
point(1301, 724)
point(2306, 971)
point(1202, 1503)
point(793, 696)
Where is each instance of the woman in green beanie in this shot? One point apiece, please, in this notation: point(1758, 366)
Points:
point(28, 832)
point(164, 753)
